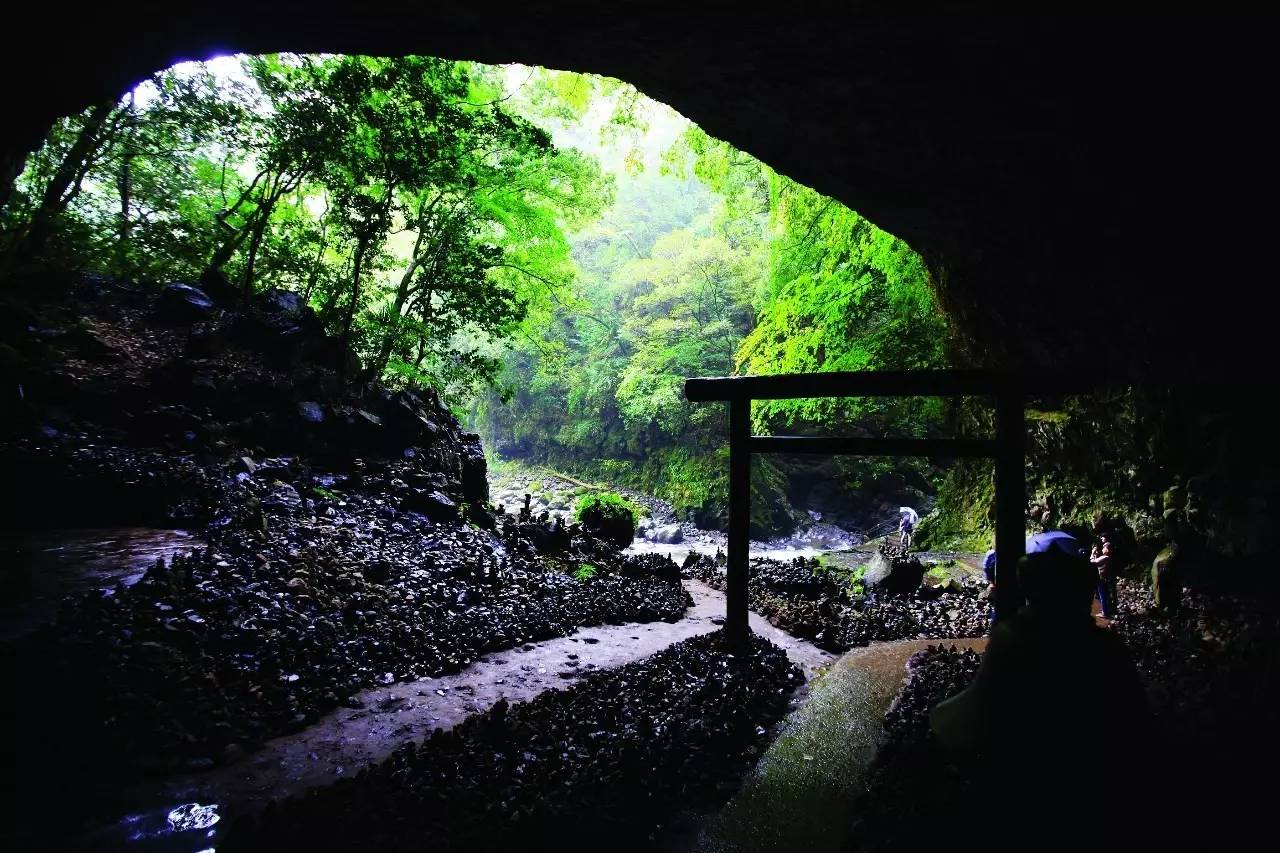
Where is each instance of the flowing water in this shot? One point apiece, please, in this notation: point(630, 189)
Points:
point(661, 532)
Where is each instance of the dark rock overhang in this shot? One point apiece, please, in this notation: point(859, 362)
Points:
point(1067, 177)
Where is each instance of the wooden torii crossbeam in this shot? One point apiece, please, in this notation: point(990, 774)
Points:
point(1008, 389)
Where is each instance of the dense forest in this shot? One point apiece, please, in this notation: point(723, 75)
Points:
point(554, 252)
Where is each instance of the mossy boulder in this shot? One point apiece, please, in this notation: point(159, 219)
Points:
point(1166, 583)
point(608, 516)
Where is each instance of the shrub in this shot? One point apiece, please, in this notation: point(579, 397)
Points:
point(609, 516)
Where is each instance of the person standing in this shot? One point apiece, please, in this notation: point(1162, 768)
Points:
point(1102, 557)
point(989, 569)
point(905, 526)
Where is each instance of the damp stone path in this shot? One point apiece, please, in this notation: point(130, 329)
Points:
point(802, 792)
point(348, 739)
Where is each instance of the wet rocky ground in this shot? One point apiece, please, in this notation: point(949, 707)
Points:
point(830, 607)
point(349, 589)
point(346, 543)
point(603, 763)
point(660, 531)
point(1211, 668)
point(804, 792)
point(348, 740)
point(38, 569)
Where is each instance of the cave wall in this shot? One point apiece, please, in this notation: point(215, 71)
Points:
point(1090, 190)
point(1066, 176)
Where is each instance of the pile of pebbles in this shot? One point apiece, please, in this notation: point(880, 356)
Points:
point(301, 603)
point(364, 554)
point(806, 601)
point(601, 765)
point(933, 674)
point(1210, 667)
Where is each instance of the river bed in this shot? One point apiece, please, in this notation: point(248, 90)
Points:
point(661, 532)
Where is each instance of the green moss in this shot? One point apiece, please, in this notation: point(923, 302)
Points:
point(1048, 417)
point(838, 567)
point(963, 516)
point(610, 516)
point(609, 503)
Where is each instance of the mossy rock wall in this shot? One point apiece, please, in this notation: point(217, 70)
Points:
point(1137, 463)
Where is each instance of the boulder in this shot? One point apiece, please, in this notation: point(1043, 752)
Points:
point(283, 302)
point(1166, 583)
point(475, 479)
point(411, 418)
point(669, 534)
point(611, 522)
point(893, 575)
point(311, 412)
point(215, 283)
point(435, 505)
point(184, 303)
point(283, 496)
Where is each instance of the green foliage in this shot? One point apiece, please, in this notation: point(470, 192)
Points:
point(607, 505)
point(963, 519)
point(503, 235)
point(851, 575)
point(586, 572)
point(711, 266)
point(609, 516)
point(420, 216)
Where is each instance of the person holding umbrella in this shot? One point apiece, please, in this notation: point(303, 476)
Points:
point(989, 569)
point(906, 525)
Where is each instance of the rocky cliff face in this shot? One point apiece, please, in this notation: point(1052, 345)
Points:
point(1152, 468)
point(128, 391)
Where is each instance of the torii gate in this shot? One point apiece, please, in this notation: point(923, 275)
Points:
point(1007, 448)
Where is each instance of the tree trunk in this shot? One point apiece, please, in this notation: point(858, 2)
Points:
point(229, 246)
point(259, 229)
point(402, 296)
point(124, 184)
point(389, 337)
point(227, 250)
point(69, 171)
point(362, 246)
point(314, 275)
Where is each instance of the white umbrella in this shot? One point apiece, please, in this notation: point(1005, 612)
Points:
point(914, 516)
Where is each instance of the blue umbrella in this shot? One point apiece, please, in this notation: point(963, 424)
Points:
point(1055, 540)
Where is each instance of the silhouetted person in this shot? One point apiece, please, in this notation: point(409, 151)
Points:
point(989, 569)
point(905, 526)
point(1103, 559)
point(1052, 692)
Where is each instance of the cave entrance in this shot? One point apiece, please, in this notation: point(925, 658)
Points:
point(1008, 389)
